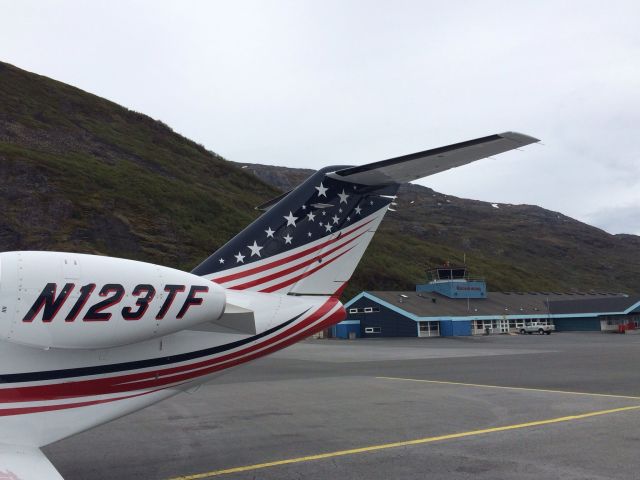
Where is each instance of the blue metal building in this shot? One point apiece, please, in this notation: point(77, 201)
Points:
point(347, 329)
point(452, 304)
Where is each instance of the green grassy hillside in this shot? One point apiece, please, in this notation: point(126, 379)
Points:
point(80, 173)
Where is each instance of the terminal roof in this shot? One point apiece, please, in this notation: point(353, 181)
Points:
point(498, 304)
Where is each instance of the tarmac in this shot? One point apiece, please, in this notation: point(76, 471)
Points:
point(492, 407)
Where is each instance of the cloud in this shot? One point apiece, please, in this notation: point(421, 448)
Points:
point(617, 219)
point(307, 84)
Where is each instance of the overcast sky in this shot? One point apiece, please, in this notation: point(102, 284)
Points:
point(312, 83)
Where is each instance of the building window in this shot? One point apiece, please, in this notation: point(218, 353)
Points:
point(364, 310)
point(480, 326)
point(516, 324)
point(429, 329)
point(615, 321)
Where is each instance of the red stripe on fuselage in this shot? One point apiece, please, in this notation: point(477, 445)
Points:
point(331, 320)
point(5, 412)
point(155, 378)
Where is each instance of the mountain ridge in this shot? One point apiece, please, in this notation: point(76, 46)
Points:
point(84, 174)
point(453, 227)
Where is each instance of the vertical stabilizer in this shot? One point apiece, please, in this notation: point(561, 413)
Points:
point(308, 243)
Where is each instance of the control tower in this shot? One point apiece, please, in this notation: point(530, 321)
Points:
point(453, 282)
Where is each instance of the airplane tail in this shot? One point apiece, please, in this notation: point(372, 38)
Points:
point(310, 240)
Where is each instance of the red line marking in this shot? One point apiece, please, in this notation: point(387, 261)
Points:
point(339, 291)
point(288, 282)
point(282, 261)
point(150, 379)
point(334, 318)
point(289, 270)
point(4, 412)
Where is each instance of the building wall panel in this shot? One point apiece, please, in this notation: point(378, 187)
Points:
point(577, 324)
point(390, 323)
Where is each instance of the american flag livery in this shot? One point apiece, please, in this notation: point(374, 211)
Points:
point(309, 242)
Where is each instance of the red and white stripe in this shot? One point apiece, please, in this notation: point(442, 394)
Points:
point(280, 272)
point(33, 397)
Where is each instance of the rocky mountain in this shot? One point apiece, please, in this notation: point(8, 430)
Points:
point(81, 173)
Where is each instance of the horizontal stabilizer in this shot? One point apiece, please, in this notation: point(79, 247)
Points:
point(239, 319)
point(235, 319)
point(422, 164)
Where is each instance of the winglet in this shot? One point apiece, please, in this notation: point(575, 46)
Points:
point(429, 162)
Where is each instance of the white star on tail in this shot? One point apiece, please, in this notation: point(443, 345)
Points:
point(311, 216)
point(322, 190)
point(335, 219)
point(328, 227)
point(358, 209)
point(343, 196)
point(287, 238)
point(291, 220)
point(221, 260)
point(255, 248)
point(239, 257)
point(269, 232)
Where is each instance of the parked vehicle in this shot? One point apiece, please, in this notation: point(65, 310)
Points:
point(539, 328)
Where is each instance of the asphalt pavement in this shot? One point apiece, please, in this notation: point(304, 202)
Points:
point(500, 407)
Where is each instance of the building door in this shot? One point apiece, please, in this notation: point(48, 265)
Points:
point(504, 325)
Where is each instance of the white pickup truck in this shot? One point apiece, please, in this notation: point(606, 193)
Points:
point(539, 328)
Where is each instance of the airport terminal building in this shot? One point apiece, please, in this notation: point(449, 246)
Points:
point(453, 304)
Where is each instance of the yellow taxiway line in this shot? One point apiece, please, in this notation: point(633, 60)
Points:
point(524, 389)
point(406, 443)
